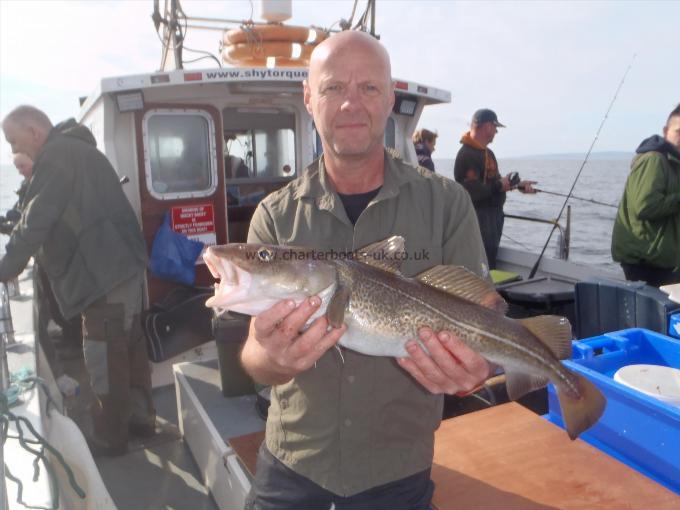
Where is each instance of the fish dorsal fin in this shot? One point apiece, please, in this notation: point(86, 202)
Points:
point(463, 283)
point(554, 331)
point(387, 254)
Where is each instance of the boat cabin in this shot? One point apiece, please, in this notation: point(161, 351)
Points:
point(205, 146)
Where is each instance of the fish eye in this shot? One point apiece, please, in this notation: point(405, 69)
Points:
point(264, 255)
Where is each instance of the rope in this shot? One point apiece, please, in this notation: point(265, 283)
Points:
point(26, 383)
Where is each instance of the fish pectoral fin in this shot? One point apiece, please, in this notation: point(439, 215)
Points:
point(519, 384)
point(554, 331)
point(463, 283)
point(387, 254)
point(581, 412)
point(335, 313)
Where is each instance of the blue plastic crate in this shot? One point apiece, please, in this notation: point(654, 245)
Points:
point(639, 430)
point(674, 325)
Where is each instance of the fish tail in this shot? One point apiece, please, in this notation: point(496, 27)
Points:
point(581, 411)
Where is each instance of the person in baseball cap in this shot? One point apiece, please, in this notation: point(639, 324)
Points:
point(485, 115)
point(476, 168)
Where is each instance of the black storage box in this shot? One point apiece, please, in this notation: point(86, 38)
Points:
point(545, 295)
point(230, 332)
point(604, 305)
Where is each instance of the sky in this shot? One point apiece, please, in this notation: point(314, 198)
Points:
point(549, 69)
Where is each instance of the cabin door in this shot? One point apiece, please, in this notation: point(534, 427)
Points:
point(181, 175)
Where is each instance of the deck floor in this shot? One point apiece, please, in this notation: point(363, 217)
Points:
point(159, 473)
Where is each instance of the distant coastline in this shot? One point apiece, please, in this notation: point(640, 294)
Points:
point(603, 155)
point(445, 165)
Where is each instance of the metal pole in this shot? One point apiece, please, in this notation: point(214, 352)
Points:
point(6, 326)
point(5, 322)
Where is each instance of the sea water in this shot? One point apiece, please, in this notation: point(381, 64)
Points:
point(602, 180)
point(591, 224)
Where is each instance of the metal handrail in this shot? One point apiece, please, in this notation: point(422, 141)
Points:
point(564, 232)
point(6, 336)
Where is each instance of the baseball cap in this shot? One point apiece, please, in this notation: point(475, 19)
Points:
point(486, 115)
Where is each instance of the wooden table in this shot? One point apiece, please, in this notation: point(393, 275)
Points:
point(508, 458)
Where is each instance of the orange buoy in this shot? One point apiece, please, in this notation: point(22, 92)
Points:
point(275, 62)
point(273, 44)
point(274, 32)
point(236, 53)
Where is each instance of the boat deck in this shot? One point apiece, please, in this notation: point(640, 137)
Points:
point(159, 473)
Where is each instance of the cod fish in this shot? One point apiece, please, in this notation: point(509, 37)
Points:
point(383, 310)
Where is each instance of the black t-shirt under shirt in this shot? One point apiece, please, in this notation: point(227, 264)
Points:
point(355, 204)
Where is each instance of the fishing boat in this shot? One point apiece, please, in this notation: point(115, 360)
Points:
point(196, 150)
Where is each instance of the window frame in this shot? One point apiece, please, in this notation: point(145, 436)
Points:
point(212, 156)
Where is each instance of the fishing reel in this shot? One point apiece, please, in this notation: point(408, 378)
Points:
point(8, 222)
point(514, 179)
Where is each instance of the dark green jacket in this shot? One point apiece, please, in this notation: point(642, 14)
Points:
point(647, 226)
point(76, 221)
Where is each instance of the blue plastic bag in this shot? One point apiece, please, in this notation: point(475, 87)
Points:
point(173, 255)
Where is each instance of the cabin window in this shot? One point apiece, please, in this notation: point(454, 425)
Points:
point(179, 149)
point(318, 144)
point(259, 144)
point(390, 137)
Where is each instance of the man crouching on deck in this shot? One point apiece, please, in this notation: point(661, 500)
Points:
point(358, 433)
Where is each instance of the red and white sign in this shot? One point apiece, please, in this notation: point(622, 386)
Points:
point(197, 222)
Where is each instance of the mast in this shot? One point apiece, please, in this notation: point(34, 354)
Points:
point(172, 37)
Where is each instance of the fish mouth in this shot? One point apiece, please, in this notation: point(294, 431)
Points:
point(232, 282)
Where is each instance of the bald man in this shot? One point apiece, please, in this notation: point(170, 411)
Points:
point(84, 234)
point(353, 430)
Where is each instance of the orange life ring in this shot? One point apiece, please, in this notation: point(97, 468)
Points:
point(273, 32)
point(262, 62)
point(256, 54)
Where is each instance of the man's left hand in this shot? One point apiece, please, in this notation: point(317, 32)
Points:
point(450, 368)
point(527, 186)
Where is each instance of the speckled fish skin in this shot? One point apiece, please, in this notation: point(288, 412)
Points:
point(384, 310)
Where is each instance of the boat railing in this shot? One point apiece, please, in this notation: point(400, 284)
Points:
point(6, 337)
point(564, 233)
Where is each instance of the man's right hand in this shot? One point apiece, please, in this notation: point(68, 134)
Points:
point(276, 350)
point(505, 183)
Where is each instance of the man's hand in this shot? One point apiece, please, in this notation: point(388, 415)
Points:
point(527, 186)
point(276, 351)
point(450, 368)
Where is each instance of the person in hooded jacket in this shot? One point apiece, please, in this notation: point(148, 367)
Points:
point(84, 234)
point(646, 236)
point(476, 169)
point(424, 142)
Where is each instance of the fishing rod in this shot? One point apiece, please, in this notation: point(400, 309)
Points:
point(576, 198)
point(573, 185)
